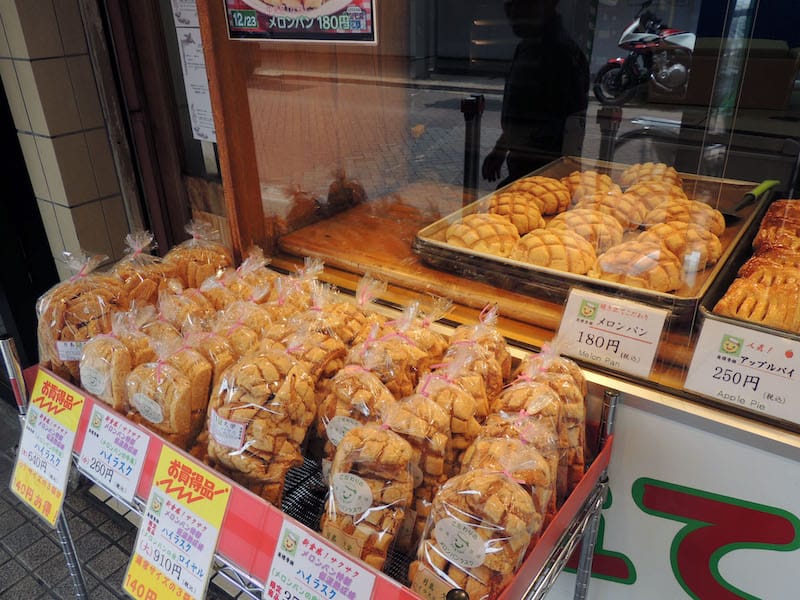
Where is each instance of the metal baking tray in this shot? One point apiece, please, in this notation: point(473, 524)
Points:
point(553, 285)
point(723, 281)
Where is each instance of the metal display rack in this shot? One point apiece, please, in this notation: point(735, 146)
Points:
point(249, 534)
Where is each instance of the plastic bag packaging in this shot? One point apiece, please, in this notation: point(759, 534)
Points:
point(129, 328)
point(160, 398)
point(199, 371)
point(291, 294)
point(74, 311)
point(104, 365)
point(354, 397)
point(200, 257)
point(549, 360)
point(537, 400)
point(480, 526)
point(415, 324)
point(486, 334)
point(324, 353)
point(183, 307)
point(141, 273)
point(426, 427)
point(368, 291)
point(539, 434)
point(215, 349)
point(394, 358)
point(520, 461)
point(331, 315)
point(258, 417)
point(371, 487)
point(252, 281)
point(478, 373)
point(573, 421)
point(459, 405)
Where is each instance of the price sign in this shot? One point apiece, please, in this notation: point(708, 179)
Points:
point(337, 21)
point(751, 369)
point(179, 531)
point(45, 450)
point(615, 333)
point(304, 567)
point(113, 453)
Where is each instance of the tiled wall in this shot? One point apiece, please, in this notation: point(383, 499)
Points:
point(50, 85)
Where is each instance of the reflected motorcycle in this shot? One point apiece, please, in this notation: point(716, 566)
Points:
point(656, 53)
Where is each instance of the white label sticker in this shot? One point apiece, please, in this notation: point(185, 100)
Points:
point(750, 369)
point(94, 381)
point(148, 408)
point(70, 350)
point(460, 543)
point(337, 427)
point(615, 333)
point(226, 432)
point(351, 494)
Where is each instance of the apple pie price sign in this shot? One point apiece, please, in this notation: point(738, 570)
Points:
point(751, 369)
point(611, 332)
point(336, 21)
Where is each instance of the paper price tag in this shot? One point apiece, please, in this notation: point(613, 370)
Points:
point(113, 453)
point(45, 450)
point(615, 333)
point(305, 567)
point(179, 531)
point(750, 369)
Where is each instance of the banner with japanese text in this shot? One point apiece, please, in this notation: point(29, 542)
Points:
point(179, 531)
point(303, 20)
point(45, 450)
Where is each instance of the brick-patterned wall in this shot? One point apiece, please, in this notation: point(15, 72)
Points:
point(48, 79)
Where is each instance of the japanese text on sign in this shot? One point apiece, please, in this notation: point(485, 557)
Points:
point(305, 567)
point(45, 450)
point(750, 369)
point(113, 452)
point(615, 333)
point(333, 20)
point(180, 527)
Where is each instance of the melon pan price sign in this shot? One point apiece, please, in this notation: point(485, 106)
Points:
point(332, 21)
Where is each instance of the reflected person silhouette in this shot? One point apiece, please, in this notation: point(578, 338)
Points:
point(547, 83)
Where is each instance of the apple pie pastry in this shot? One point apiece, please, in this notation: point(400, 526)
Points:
point(773, 305)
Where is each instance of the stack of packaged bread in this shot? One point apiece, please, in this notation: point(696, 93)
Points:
point(642, 231)
point(768, 284)
point(424, 440)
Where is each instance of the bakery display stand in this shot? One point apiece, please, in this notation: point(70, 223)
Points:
point(248, 538)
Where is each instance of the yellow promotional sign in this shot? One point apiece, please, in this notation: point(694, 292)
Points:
point(194, 486)
point(45, 450)
point(179, 531)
